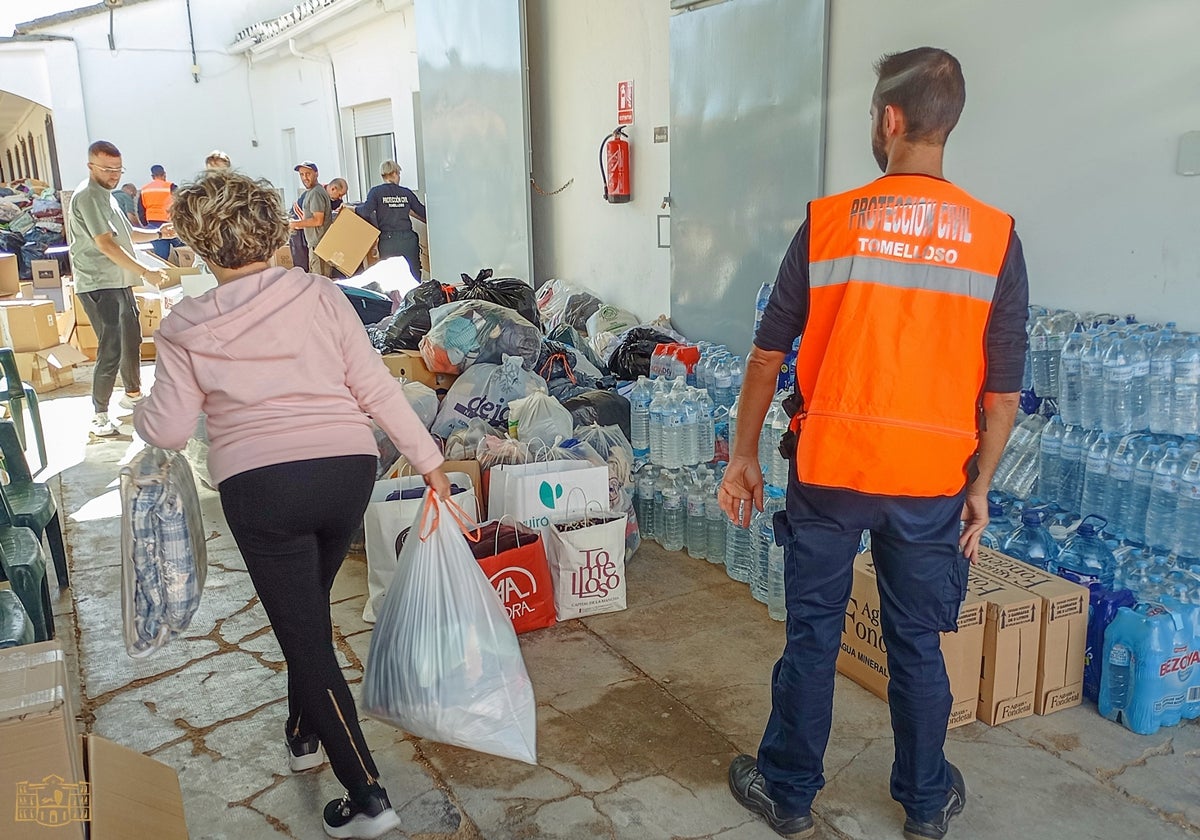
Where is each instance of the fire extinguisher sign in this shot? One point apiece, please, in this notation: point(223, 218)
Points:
point(625, 102)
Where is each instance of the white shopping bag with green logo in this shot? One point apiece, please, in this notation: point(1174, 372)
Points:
point(536, 494)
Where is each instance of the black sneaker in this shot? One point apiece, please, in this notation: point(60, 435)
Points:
point(304, 752)
point(346, 818)
point(750, 789)
point(936, 828)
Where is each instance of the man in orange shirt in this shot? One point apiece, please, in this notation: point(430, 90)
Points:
point(155, 205)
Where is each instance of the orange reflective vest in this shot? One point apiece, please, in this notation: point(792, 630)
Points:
point(893, 358)
point(156, 198)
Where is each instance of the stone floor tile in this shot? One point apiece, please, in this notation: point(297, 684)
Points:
point(661, 807)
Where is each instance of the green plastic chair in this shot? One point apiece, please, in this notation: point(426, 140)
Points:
point(23, 565)
point(17, 394)
point(15, 627)
point(26, 503)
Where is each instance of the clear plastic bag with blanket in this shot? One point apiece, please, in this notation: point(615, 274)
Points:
point(444, 662)
point(164, 559)
point(485, 391)
point(470, 332)
point(538, 417)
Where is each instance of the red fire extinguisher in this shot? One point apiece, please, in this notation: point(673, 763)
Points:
point(614, 166)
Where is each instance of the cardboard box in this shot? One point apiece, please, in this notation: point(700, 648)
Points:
point(66, 325)
point(282, 258)
point(51, 368)
point(27, 325)
point(183, 257)
point(1012, 632)
point(863, 656)
point(1064, 629)
point(347, 242)
point(26, 292)
point(132, 795)
point(410, 365)
point(39, 751)
point(46, 274)
point(150, 311)
point(10, 280)
point(86, 341)
point(149, 353)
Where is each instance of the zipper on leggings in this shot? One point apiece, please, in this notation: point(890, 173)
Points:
point(296, 731)
point(370, 779)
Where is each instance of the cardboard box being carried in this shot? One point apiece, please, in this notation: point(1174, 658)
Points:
point(1064, 628)
point(347, 242)
point(1011, 636)
point(56, 786)
point(183, 257)
point(410, 365)
point(10, 280)
point(282, 257)
point(51, 368)
point(150, 311)
point(863, 656)
point(45, 274)
point(27, 325)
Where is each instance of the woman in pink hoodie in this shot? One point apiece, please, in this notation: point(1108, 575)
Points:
point(279, 362)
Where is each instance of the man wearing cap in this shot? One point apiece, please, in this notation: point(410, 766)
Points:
point(316, 215)
point(391, 208)
point(156, 207)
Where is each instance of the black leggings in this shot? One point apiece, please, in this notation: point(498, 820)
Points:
point(293, 524)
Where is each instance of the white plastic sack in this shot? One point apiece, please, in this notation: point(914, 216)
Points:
point(462, 444)
point(484, 391)
point(164, 559)
point(444, 662)
point(196, 452)
point(392, 275)
point(609, 318)
point(424, 401)
point(538, 417)
point(384, 522)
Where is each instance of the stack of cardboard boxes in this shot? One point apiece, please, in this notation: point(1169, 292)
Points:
point(1019, 649)
point(54, 784)
point(29, 325)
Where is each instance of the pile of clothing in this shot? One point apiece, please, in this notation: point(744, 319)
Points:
point(31, 220)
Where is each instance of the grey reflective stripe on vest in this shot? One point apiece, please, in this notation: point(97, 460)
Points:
point(902, 275)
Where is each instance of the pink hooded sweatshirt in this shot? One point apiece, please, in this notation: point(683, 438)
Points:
point(282, 366)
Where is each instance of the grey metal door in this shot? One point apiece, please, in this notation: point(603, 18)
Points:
point(747, 135)
point(475, 136)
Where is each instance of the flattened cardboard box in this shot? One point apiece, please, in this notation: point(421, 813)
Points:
point(863, 656)
point(1012, 635)
point(1064, 629)
point(347, 242)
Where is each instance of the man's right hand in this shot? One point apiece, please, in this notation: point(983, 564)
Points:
point(975, 519)
point(741, 490)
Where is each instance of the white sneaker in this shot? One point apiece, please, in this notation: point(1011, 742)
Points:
point(103, 427)
point(128, 402)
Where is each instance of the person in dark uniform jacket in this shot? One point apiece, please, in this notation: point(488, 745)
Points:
point(390, 207)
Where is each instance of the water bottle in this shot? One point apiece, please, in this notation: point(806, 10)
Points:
point(697, 523)
point(715, 530)
point(1070, 378)
point(1122, 459)
point(1164, 500)
point(760, 303)
point(737, 371)
point(722, 438)
point(1187, 512)
point(1085, 559)
point(1117, 413)
point(674, 519)
point(666, 478)
point(1071, 486)
point(1185, 396)
point(706, 427)
point(763, 540)
point(1039, 356)
point(673, 432)
point(654, 417)
point(1091, 366)
point(1018, 466)
point(645, 501)
point(1139, 360)
point(639, 417)
point(738, 559)
point(733, 413)
point(1050, 458)
point(997, 529)
point(1137, 503)
point(723, 382)
point(1031, 542)
point(1162, 382)
point(1115, 682)
point(689, 412)
point(1095, 477)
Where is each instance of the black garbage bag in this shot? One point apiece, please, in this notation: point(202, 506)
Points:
point(506, 291)
point(570, 336)
point(631, 358)
point(429, 294)
point(401, 331)
point(608, 408)
point(580, 307)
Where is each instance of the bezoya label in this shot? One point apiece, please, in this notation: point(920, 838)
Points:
point(598, 577)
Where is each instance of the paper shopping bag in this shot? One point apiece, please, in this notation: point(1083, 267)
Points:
point(587, 563)
point(536, 494)
point(514, 559)
point(384, 522)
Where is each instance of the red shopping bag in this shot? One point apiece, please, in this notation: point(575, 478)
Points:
point(514, 559)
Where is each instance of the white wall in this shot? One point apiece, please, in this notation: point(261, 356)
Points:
point(578, 51)
point(1073, 117)
point(47, 72)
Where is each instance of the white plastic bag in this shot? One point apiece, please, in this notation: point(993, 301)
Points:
point(423, 400)
point(164, 559)
point(197, 453)
point(538, 417)
point(444, 662)
point(485, 391)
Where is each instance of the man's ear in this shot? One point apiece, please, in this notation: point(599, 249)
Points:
point(894, 123)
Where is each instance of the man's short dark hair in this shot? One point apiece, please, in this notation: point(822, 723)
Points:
point(927, 85)
point(103, 147)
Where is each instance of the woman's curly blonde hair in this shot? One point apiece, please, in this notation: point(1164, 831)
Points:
point(229, 219)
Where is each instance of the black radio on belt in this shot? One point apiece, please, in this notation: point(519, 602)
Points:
point(793, 404)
